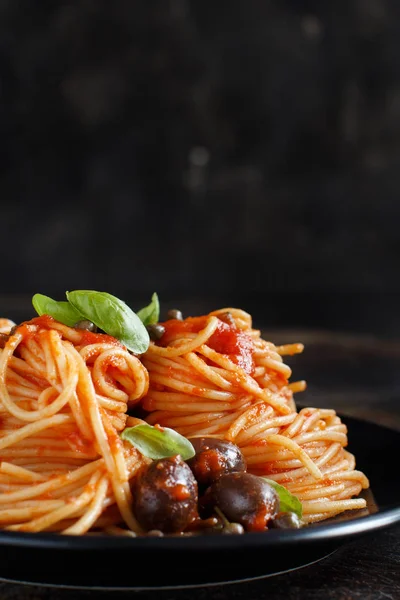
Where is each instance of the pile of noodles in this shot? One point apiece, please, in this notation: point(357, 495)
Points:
point(64, 394)
point(64, 400)
point(198, 391)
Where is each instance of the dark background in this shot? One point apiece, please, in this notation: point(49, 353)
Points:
point(219, 153)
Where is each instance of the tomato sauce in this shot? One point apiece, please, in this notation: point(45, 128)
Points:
point(180, 492)
point(227, 339)
point(259, 521)
point(209, 461)
point(89, 337)
point(28, 329)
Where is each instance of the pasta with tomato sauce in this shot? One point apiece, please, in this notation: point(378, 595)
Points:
point(64, 396)
point(83, 416)
point(216, 376)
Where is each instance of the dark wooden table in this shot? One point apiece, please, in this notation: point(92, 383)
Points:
point(358, 376)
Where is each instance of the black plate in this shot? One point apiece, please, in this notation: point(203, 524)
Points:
point(148, 563)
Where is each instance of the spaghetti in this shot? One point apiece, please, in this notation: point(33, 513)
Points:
point(216, 376)
point(64, 395)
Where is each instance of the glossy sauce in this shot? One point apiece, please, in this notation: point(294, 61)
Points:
point(210, 461)
point(88, 337)
point(259, 521)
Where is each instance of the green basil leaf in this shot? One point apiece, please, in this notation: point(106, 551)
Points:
point(155, 442)
point(60, 311)
point(150, 314)
point(112, 316)
point(288, 502)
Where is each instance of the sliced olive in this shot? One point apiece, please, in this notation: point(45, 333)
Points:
point(85, 324)
point(213, 458)
point(175, 314)
point(165, 496)
point(286, 520)
point(156, 331)
point(243, 498)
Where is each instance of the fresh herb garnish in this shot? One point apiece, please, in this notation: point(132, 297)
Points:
point(61, 311)
point(113, 316)
point(109, 313)
point(156, 442)
point(288, 502)
point(150, 314)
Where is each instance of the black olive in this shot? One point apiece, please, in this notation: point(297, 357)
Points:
point(165, 495)
point(286, 520)
point(175, 314)
point(243, 498)
point(156, 331)
point(85, 324)
point(213, 458)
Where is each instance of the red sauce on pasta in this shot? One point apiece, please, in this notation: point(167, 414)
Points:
point(88, 337)
point(28, 329)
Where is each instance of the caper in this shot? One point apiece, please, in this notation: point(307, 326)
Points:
point(175, 314)
point(286, 520)
point(86, 324)
point(155, 533)
point(156, 331)
point(233, 529)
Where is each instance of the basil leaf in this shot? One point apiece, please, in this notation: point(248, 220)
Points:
point(60, 311)
point(154, 442)
point(150, 314)
point(112, 316)
point(288, 502)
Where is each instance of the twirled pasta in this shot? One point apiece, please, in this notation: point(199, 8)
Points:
point(198, 390)
point(64, 396)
